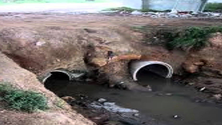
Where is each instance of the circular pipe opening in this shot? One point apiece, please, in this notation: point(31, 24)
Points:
point(57, 75)
point(155, 81)
point(156, 67)
point(56, 79)
point(153, 68)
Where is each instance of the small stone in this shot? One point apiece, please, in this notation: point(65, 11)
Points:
point(58, 60)
point(90, 30)
point(111, 85)
point(175, 116)
point(2, 111)
point(68, 99)
point(89, 80)
point(109, 103)
point(197, 101)
point(122, 12)
point(191, 83)
point(215, 40)
point(121, 83)
point(159, 94)
point(191, 68)
point(215, 14)
point(40, 43)
point(199, 63)
point(154, 16)
point(102, 100)
point(153, 13)
point(136, 13)
point(99, 62)
point(217, 96)
point(173, 15)
point(169, 94)
point(97, 118)
point(136, 114)
point(185, 16)
point(83, 96)
point(149, 88)
point(202, 89)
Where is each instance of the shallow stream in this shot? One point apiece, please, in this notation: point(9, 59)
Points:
point(169, 102)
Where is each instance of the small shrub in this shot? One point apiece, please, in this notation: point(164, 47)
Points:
point(213, 7)
point(191, 38)
point(177, 38)
point(5, 87)
point(22, 100)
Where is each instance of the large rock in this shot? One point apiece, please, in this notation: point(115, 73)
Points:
point(216, 40)
point(190, 68)
point(98, 62)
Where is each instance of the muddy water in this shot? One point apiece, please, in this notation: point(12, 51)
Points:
point(166, 101)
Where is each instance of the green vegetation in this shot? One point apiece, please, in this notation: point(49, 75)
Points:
point(183, 38)
point(6, 2)
point(21, 100)
point(128, 9)
point(119, 9)
point(190, 38)
point(213, 7)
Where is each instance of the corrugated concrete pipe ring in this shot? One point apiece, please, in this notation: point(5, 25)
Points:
point(161, 68)
point(60, 72)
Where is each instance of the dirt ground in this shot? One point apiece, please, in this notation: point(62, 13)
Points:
point(39, 42)
point(42, 42)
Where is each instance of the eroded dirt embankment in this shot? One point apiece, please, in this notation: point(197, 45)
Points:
point(41, 43)
point(59, 113)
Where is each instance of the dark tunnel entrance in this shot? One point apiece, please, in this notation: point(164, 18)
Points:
point(157, 69)
point(153, 75)
point(56, 80)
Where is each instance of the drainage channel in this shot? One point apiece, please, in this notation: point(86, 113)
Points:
point(168, 104)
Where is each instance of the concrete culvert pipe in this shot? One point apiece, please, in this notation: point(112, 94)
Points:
point(58, 74)
point(160, 68)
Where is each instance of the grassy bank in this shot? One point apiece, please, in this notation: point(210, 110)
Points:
point(190, 38)
point(21, 100)
point(185, 38)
